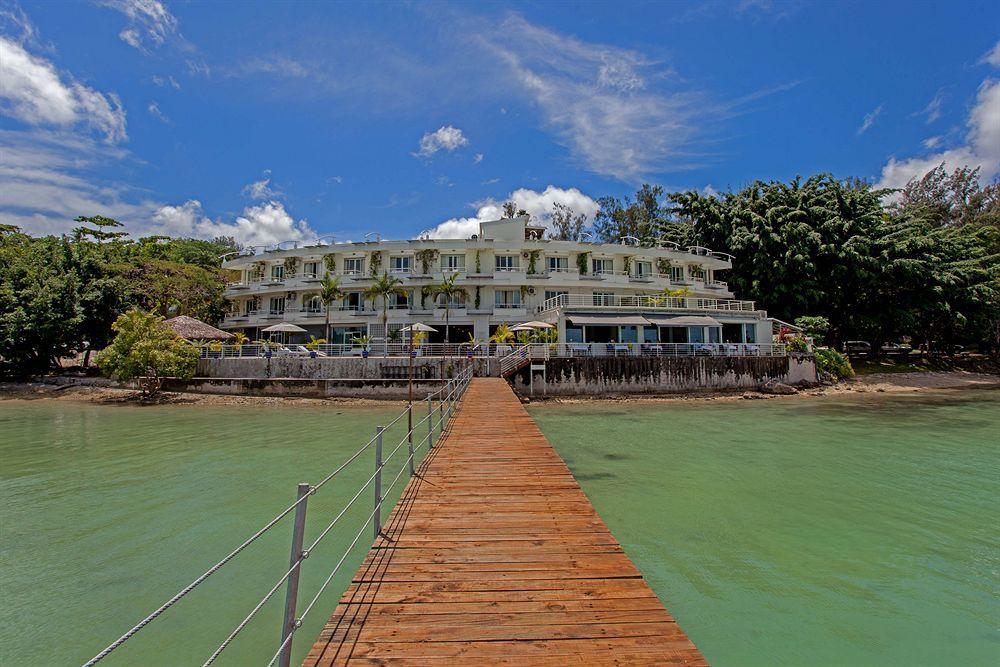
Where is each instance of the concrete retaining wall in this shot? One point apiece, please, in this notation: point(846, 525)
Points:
point(307, 388)
point(331, 368)
point(595, 376)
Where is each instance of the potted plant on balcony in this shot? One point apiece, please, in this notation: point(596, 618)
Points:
point(313, 345)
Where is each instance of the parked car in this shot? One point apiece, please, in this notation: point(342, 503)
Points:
point(857, 348)
point(896, 349)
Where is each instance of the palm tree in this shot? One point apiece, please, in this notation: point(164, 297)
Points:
point(385, 287)
point(449, 290)
point(329, 293)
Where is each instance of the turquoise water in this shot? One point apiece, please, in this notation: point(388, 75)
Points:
point(854, 531)
point(109, 510)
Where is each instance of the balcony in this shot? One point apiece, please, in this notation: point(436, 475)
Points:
point(644, 302)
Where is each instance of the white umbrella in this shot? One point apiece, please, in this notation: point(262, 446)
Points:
point(522, 327)
point(537, 325)
point(419, 327)
point(284, 327)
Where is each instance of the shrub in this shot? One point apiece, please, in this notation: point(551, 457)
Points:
point(797, 344)
point(833, 362)
point(814, 326)
point(145, 348)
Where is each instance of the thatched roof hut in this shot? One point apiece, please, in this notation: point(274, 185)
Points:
point(191, 329)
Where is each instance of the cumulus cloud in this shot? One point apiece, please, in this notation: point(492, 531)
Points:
point(980, 149)
point(446, 138)
point(538, 204)
point(933, 109)
point(263, 224)
point(34, 92)
point(262, 189)
point(149, 22)
point(600, 101)
point(870, 118)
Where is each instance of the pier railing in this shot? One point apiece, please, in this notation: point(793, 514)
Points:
point(437, 409)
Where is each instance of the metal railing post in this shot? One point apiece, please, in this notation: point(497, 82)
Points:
point(409, 436)
point(292, 589)
point(377, 517)
point(430, 422)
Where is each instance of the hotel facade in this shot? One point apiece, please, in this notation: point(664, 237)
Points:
point(510, 273)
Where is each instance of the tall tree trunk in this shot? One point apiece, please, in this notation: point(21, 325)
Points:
point(86, 357)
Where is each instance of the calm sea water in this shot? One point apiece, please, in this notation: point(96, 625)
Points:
point(856, 531)
point(828, 532)
point(109, 510)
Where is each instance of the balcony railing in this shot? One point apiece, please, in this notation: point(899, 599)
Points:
point(644, 301)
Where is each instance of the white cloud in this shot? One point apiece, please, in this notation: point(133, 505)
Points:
point(446, 138)
point(933, 109)
point(262, 189)
point(34, 92)
point(149, 22)
point(154, 111)
point(869, 119)
point(478, 158)
point(992, 57)
point(273, 64)
point(930, 143)
point(981, 148)
point(263, 224)
point(165, 81)
point(538, 204)
point(600, 101)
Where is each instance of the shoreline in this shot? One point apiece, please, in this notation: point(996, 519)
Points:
point(883, 383)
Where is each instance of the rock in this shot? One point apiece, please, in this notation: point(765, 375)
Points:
point(775, 387)
point(750, 396)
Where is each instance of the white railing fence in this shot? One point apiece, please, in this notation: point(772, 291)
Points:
point(653, 302)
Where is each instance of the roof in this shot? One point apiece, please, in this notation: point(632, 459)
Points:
point(683, 321)
point(191, 329)
point(608, 320)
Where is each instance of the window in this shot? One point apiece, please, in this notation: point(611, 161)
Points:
point(278, 272)
point(354, 266)
point(251, 306)
point(399, 301)
point(354, 301)
point(277, 305)
point(558, 264)
point(553, 294)
point(453, 263)
point(643, 269)
point(602, 266)
point(312, 305)
point(457, 301)
point(697, 272)
point(507, 298)
point(604, 298)
point(677, 274)
point(507, 262)
point(399, 264)
point(310, 270)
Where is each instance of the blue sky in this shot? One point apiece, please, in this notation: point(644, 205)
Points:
point(287, 121)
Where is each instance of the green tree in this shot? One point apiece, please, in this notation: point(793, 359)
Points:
point(99, 234)
point(567, 225)
point(385, 287)
point(814, 326)
point(330, 292)
point(146, 349)
point(639, 217)
point(447, 290)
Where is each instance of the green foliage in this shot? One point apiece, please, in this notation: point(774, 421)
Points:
point(426, 257)
point(533, 261)
point(330, 262)
point(291, 265)
point(813, 326)
point(641, 216)
point(833, 362)
point(582, 262)
point(567, 226)
point(329, 293)
point(375, 263)
point(797, 344)
point(144, 347)
point(502, 334)
point(447, 290)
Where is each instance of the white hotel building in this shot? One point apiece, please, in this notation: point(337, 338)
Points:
point(593, 293)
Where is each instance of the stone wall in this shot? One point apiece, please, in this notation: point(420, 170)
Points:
point(332, 368)
point(307, 388)
point(595, 376)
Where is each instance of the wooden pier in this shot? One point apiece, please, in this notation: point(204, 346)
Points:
point(494, 555)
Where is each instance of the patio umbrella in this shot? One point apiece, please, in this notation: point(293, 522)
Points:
point(537, 325)
point(418, 327)
point(285, 327)
point(522, 327)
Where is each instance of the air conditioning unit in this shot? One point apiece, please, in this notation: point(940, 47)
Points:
point(525, 255)
point(531, 290)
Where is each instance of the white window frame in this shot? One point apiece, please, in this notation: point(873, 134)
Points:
point(507, 263)
point(677, 274)
point(400, 264)
point(312, 304)
point(277, 272)
point(507, 299)
point(604, 298)
point(280, 302)
point(314, 272)
point(557, 264)
point(347, 301)
point(452, 263)
point(643, 269)
point(606, 264)
point(358, 264)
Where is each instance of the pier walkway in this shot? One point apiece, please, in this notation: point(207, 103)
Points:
point(494, 555)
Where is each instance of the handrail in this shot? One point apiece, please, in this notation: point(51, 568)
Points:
point(446, 397)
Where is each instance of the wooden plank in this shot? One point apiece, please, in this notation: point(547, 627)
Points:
point(494, 555)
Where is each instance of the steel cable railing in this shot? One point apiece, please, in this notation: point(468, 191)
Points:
point(446, 398)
